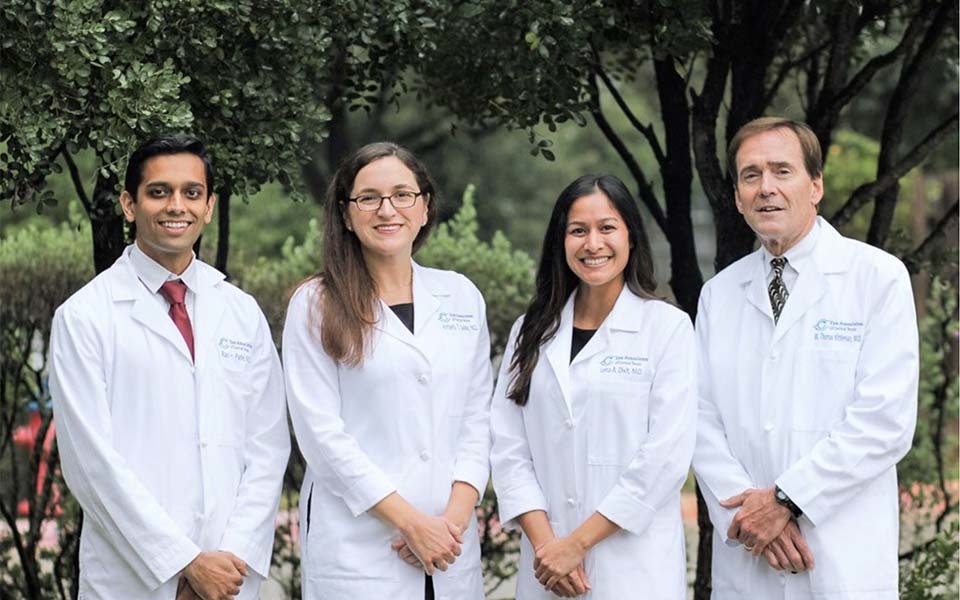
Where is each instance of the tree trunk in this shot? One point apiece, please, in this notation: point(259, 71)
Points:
point(106, 223)
point(223, 229)
point(702, 586)
point(677, 170)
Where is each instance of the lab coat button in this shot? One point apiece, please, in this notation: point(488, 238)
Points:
point(203, 443)
point(569, 423)
point(768, 427)
point(571, 501)
point(424, 456)
point(422, 378)
point(774, 356)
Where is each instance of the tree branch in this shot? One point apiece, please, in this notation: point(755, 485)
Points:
point(75, 177)
point(915, 156)
point(644, 190)
point(787, 67)
point(874, 65)
point(923, 252)
point(646, 130)
point(896, 116)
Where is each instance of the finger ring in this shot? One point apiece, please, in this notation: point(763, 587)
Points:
point(748, 548)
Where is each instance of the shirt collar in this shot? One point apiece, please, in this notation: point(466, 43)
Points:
point(798, 255)
point(152, 274)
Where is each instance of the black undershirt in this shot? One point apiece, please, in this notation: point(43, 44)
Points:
point(405, 313)
point(580, 339)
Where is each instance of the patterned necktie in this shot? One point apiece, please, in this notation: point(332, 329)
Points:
point(778, 291)
point(175, 292)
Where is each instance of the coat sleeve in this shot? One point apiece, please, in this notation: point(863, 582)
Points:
point(719, 473)
point(250, 529)
point(657, 471)
point(112, 496)
point(514, 477)
point(877, 428)
point(313, 396)
point(472, 462)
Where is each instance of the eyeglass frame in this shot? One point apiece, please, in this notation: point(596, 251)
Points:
point(390, 197)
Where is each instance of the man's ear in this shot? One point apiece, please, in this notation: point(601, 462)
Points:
point(817, 190)
point(129, 205)
point(208, 213)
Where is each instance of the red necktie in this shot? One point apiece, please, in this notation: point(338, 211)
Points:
point(175, 292)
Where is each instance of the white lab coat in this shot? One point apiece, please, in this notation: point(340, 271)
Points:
point(413, 418)
point(611, 432)
point(140, 429)
point(822, 404)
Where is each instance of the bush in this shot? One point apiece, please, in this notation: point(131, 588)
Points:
point(504, 275)
point(40, 267)
point(927, 473)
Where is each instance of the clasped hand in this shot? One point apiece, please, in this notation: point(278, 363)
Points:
point(765, 527)
point(213, 576)
point(558, 566)
point(430, 542)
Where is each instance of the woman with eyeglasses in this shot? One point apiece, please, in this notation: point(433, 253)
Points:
point(593, 417)
point(388, 383)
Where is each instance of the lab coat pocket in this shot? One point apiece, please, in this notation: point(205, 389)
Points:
point(227, 396)
point(823, 386)
point(341, 546)
point(617, 415)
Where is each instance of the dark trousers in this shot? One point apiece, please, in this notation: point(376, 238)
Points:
point(428, 588)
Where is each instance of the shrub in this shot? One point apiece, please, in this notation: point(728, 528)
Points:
point(40, 267)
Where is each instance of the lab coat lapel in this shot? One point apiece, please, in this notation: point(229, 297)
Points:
point(623, 317)
point(828, 256)
point(757, 293)
point(558, 353)
point(811, 285)
point(426, 302)
point(126, 286)
point(210, 303)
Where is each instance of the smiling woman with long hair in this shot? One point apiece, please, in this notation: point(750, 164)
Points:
point(593, 418)
point(388, 383)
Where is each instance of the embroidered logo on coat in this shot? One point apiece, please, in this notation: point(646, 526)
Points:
point(623, 364)
point(829, 330)
point(235, 352)
point(457, 321)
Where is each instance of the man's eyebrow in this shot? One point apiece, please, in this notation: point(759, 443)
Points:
point(166, 184)
point(780, 163)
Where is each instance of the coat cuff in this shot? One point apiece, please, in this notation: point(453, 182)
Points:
point(520, 500)
point(370, 489)
point(798, 489)
point(472, 473)
point(256, 555)
point(170, 562)
point(627, 511)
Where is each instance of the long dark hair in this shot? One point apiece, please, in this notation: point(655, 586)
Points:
point(346, 309)
point(555, 281)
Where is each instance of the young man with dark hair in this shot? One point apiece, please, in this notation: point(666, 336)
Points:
point(168, 396)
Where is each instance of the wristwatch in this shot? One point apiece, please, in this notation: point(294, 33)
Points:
point(784, 499)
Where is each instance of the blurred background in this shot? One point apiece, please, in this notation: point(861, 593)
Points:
point(507, 102)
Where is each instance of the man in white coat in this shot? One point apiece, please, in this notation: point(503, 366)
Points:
point(169, 403)
point(808, 391)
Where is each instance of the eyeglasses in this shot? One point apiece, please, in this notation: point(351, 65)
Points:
point(401, 199)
